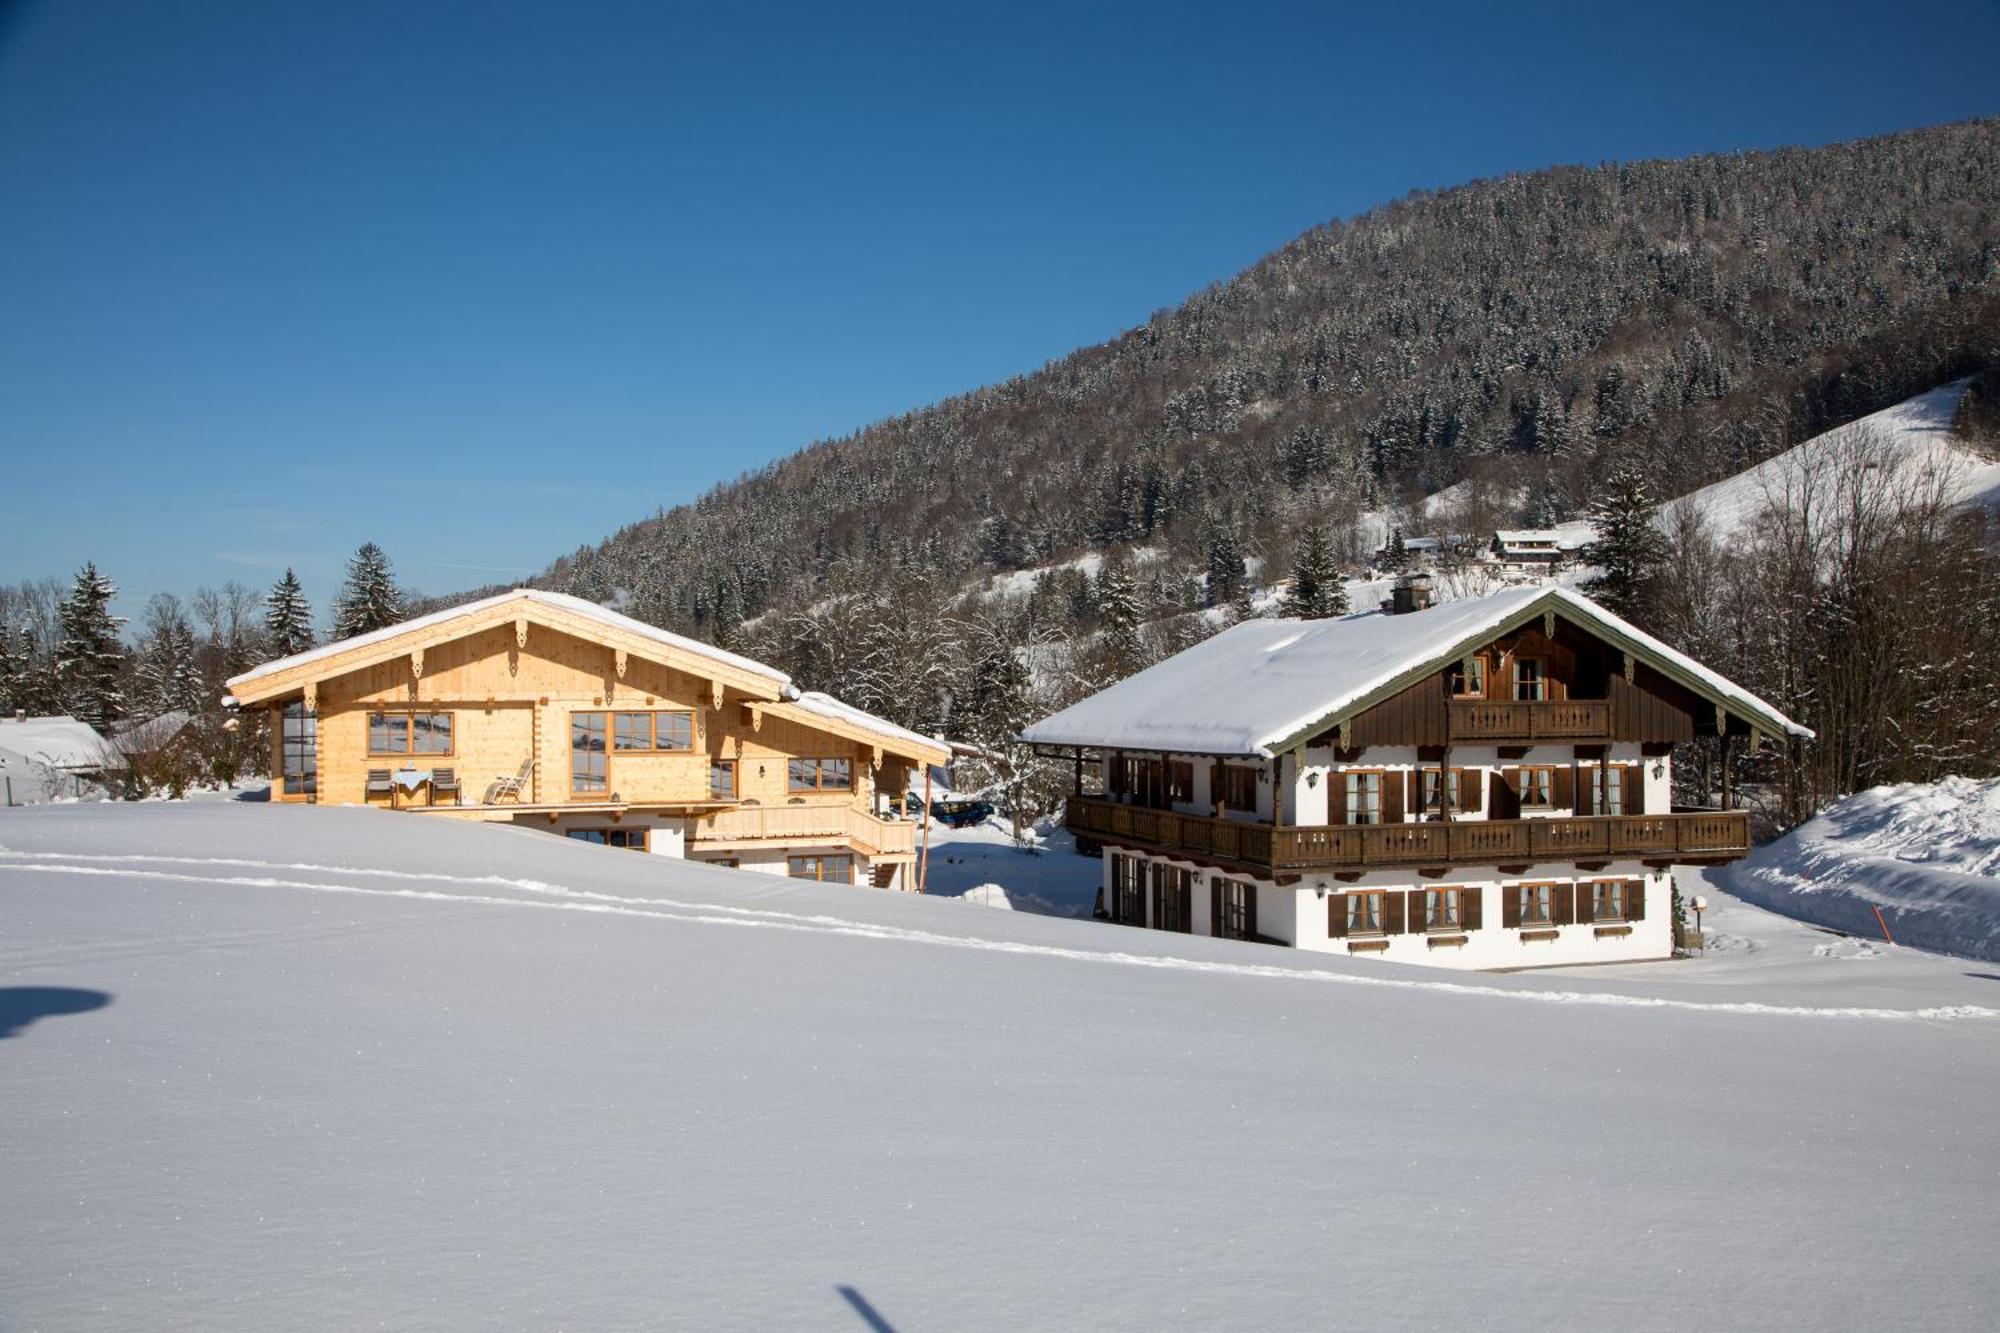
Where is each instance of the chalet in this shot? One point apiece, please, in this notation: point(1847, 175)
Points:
point(1482, 784)
point(1538, 550)
point(535, 708)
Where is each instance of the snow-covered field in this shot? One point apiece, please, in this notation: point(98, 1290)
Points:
point(1926, 854)
point(281, 1067)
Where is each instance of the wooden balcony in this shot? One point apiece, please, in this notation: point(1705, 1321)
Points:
point(753, 825)
point(1540, 720)
point(1287, 852)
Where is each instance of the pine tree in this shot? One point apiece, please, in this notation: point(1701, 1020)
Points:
point(1318, 591)
point(1118, 619)
point(369, 600)
point(1396, 555)
point(1225, 564)
point(90, 661)
point(288, 617)
point(13, 668)
point(1628, 549)
point(168, 677)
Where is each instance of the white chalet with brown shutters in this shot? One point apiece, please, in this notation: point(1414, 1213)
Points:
point(541, 709)
point(1482, 784)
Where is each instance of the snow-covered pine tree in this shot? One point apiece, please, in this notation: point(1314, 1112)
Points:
point(287, 617)
point(13, 666)
point(369, 599)
point(1118, 615)
point(168, 675)
point(1628, 548)
point(90, 660)
point(1396, 555)
point(1318, 591)
point(1225, 563)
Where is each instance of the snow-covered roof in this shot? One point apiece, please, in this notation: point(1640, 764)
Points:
point(825, 705)
point(1266, 685)
point(142, 734)
point(560, 601)
point(59, 742)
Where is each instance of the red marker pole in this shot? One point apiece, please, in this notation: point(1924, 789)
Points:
point(1885, 926)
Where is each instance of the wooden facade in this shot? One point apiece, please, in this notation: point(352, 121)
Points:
point(600, 719)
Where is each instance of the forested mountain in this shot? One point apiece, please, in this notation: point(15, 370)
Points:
point(1689, 316)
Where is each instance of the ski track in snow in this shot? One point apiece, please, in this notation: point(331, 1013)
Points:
point(555, 897)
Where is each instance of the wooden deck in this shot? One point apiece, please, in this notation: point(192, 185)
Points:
point(1554, 719)
point(1286, 852)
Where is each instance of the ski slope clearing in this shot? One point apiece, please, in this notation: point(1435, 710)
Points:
point(1926, 854)
point(1915, 435)
point(330, 1068)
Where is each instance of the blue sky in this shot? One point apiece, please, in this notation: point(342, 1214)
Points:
point(483, 282)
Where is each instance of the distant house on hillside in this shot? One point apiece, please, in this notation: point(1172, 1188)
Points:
point(1482, 784)
point(535, 708)
point(1538, 550)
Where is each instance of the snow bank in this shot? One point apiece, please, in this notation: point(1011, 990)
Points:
point(1928, 855)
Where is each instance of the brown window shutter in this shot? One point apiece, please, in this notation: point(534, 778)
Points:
point(1215, 907)
point(1586, 904)
point(1468, 789)
point(1469, 909)
point(1635, 900)
point(1215, 782)
point(1510, 906)
point(1336, 797)
point(1586, 790)
point(1414, 918)
point(1250, 910)
point(1506, 793)
point(1392, 914)
point(1392, 798)
point(1561, 900)
point(1336, 916)
point(1635, 789)
point(1565, 789)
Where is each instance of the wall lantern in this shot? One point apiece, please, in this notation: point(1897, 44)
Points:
point(1312, 779)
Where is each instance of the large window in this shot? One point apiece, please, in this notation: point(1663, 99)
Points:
point(1173, 892)
point(1531, 678)
point(826, 869)
point(722, 779)
point(588, 771)
point(669, 732)
point(299, 751)
point(409, 734)
point(632, 838)
point(1239, 788)
point(1364, 798)
point(819, 775)
point(1538, 786)
point(1128, 890)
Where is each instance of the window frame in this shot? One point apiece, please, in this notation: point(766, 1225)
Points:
point(1460, 687)
point(1351, 781)
point(1549, 770)
point(651, 743)
point(603, 752)
point(1541, 681)
point(1618, 888)
point(1377, 900)
point(1444, 895)
point(1128, 888)
point(729, 766)
point(819, 862)
point(1237, 898)
point(1609, 776)
point(1234, 775)
point(819, 763)
point(408, 717)
point(1546, 920)
point(618, 838)
point(300, 744)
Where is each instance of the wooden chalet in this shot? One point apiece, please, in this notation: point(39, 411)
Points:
point(537, 708)
point(1486, 783)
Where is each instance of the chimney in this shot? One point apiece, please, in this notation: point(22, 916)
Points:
point(1411, 593)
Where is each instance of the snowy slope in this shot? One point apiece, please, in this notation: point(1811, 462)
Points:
point(1916, 432)
point(334, 1068)
point(1927, 854)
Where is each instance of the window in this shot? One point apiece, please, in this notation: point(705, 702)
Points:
point(1535, 904)
point(1364, 914)
point(1235, 909)
point(825, 869)
point(1443, 909)
point(1531, 679)
point(1538, 786)
point(1239, 788)
point(1128, 894)
point(652, 733)
point(722, 779)
point(1607, 900)
point(1364, 798)
point(409, 733)
point(632, 838)
point(819, 774)
point(1611, 787)
point(299, 750)
point(588, 773)
point(1173, 892)
point(1180, 780)
point(1469, 684)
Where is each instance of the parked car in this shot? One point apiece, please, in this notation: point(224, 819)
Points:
point(961, 814)
point(909, 807)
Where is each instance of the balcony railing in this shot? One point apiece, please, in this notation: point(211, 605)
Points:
point(1542, 719)
point(1713, 835)
point(799, 823)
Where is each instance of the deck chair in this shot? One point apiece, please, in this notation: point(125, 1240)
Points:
point(446, 779)
point(379, 781)
point(514, 786)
